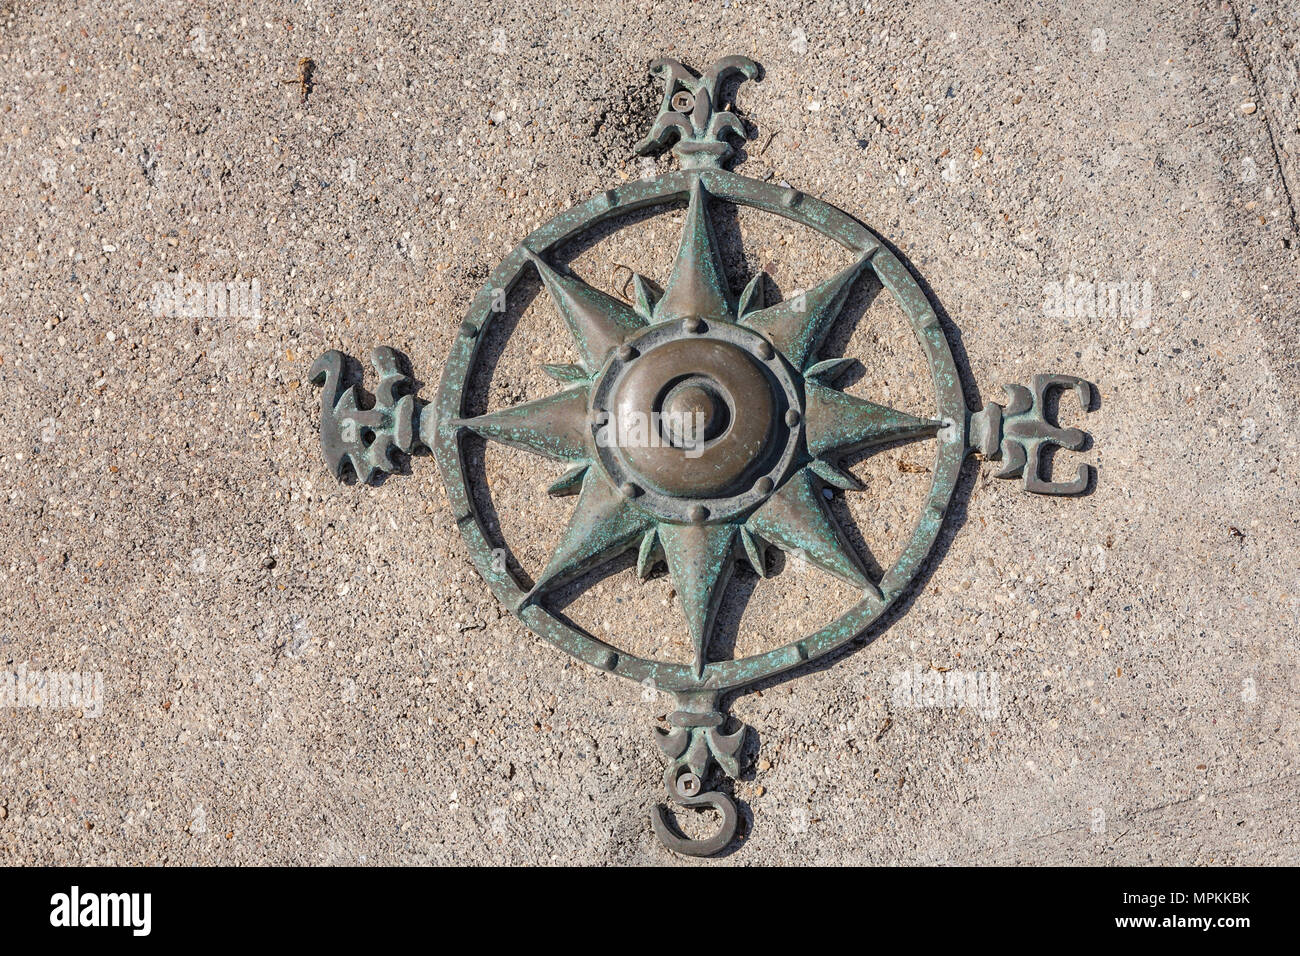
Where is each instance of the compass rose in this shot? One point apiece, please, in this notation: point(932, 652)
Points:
point(698, 428)
point(773, 427)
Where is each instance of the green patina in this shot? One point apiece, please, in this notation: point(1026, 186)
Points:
point(736, 354)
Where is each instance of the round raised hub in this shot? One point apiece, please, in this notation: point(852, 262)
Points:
point(695, 417)
point(694, 411)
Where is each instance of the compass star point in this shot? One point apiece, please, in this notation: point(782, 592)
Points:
point(697, 286)
point(597, 321)
point(754, 298)
point(569, 483)
point(604, 525)
point(554, 426)
point(754, 552)
point(797, 326)
point(795, 520)
point(700, 560)
point(648, 554)
point(646, 292)
point(835, 476)
point(838, 423)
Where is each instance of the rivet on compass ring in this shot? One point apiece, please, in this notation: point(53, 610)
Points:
point(747, 429)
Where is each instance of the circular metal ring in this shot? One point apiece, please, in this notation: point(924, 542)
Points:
point(445, 436)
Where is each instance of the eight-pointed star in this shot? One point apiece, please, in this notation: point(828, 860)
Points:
point(700, 554)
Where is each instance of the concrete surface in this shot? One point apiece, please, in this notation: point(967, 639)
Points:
point(296, 670)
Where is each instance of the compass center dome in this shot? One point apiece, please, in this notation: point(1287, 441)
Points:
point(695, 417)
point(694, 411)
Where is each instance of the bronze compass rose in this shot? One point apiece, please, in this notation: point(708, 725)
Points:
point(698, 428)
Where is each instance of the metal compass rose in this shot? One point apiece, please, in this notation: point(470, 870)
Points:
point(698, 429)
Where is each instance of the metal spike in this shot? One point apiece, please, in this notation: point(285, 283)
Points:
point(697, 287)
point(555, 426)
point(700, 560)
point(567, 374)
point(648, 555)
point(754, 552)
point(828, 371)
point(603, 526)
point(837, 422)
point(598, 321)
point(835, 476)
point(645, 293)
point(798, 325)
point(754, 297)
point(569, 483)
point(794, 519)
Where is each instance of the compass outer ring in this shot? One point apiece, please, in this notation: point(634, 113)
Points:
point(830, 221)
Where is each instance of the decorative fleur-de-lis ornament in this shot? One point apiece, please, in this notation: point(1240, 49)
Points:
point(697, 428)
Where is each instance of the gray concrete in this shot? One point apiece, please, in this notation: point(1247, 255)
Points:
point(300, 671)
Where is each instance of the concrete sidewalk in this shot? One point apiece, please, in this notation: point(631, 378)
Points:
point(297, 670)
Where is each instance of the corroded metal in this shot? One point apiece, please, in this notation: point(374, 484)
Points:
point(698, 428)
point(693, 742)
point(1018, 433)
point(688, 118)
point(364, 439)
